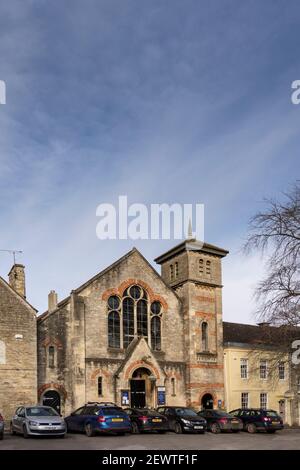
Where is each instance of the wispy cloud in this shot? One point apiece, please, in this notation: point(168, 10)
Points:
point(163, 101)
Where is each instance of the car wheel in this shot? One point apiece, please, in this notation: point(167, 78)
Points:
point(215, 428)
point(25, 432)
point(178, 428)
point(251, 428)
point(135, 428)
point(89, 430)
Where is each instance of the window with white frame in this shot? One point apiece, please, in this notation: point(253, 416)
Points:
point(245, 400)
point(244, 368)
point(281, 370)
point(263, 369)
point(264, 401)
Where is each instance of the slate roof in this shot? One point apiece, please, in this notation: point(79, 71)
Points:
point(263, 334)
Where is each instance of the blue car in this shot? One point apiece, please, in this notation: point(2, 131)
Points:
point(94, 418)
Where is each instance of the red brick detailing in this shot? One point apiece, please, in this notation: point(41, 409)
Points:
point(202, 298)
point(52, 342)
point(99, 372)
point(137, 364)
point(204, 314)
point(205, 366)
point(201, 385)
point(52, 386)
point(129, 282)
point(108, 293)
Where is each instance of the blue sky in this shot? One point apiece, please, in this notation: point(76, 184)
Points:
point(165, 101)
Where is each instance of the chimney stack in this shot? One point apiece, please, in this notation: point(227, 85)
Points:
point(52, 301)
point(17, 279)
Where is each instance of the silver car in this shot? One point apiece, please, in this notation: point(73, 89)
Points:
point(37, 421)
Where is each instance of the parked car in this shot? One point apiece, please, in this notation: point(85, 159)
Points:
point(144, 419)
point(37, 421)
point(1, 427)
point(94, 418)
point(220, 421)
point(182, 419)
point(257, 419)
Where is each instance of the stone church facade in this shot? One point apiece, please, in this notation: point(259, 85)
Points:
point(133, 337)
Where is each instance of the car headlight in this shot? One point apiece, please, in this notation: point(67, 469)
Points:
point(33, 423)
point(186, 421)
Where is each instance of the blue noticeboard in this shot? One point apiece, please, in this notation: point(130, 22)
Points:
point(125, 397)
point(161, 395)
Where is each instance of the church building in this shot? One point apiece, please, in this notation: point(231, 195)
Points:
point(137, 338)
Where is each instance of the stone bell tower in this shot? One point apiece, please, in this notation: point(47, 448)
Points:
point(193, 269)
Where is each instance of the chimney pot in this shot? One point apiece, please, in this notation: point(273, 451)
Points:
point(52, 301)
point(17, 279)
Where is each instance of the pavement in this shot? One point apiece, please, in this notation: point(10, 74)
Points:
point(288, 439)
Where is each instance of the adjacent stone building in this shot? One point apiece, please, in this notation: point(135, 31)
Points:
point(18, 342)
point(131, 336)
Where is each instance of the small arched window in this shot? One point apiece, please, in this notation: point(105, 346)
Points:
point(201, 264)
point(100, 387)
point(113, 329)
point(2, 353)
point(51, 356)
point(204, 336)
point(208, 268)
point(176, 270)
point(171, 272)
point(173, 385)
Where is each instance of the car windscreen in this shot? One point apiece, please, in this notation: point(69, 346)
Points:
point(185, 412)
point(222, 414)
point(37, 411)
point(271, 413)
point(146, 412)
point(110, 411)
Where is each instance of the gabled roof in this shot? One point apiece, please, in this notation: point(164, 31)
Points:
point(191, 244)
point(102, 273)
point(17, 295)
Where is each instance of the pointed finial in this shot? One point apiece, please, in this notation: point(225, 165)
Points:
point(190, 229)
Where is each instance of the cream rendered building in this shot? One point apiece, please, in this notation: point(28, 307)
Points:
point(257, 373)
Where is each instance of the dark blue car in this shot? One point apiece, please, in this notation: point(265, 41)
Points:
point(259, 419)
point(94, 418)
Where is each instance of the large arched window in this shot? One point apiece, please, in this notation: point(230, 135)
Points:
point(132, 316)
point(113, 329)
point(128, 321)
point(156, 311)
point(204, 336)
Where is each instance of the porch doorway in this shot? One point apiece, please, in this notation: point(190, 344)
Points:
point(52, 398)
point(140, 388)
point(207, 402)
